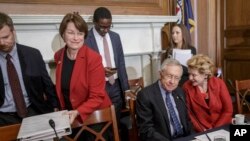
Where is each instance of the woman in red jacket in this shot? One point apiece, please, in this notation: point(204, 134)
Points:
point(207, 96)
point(80, 78)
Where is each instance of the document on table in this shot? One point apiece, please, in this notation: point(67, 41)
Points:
point(182, 55)
point(211, 135)
point(37, 127)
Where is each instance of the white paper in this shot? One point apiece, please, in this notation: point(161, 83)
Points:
point(211, 135)
point(182, 55)
point(38, 128)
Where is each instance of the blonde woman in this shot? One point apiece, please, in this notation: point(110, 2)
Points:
point(207, 96)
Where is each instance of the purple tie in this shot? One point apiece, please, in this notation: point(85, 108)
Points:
point(16, 88)
point(108, 59)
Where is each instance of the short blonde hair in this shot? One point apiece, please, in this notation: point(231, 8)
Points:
point(202, 63)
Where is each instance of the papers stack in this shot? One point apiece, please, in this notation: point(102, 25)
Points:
point(212, 135)
point(182, 55)
point(37, 127)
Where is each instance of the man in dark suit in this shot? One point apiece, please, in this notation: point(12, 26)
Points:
point(101, 38)
point(102, 23)
point(32, 82)
point(157, 119)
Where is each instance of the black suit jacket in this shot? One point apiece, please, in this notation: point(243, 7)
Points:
point(152, 116)
point(36, 80)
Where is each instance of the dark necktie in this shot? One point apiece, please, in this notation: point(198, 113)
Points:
point(173, 117)
point(16, 88)
point(108, 59)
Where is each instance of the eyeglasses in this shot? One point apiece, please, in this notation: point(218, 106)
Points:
point(170, 77)
point(71, 33)
point(102, 28)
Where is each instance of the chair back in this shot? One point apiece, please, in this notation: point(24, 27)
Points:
point(134, 129)
point(242, 91)
point(9, 132)
point(136, 84)
point(106, 116)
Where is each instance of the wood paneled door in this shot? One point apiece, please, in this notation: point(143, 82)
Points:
point(235, 38)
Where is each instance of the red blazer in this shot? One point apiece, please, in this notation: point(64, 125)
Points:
point(219, 110)
point(87, 85)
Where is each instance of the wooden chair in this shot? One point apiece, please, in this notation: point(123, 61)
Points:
point(134, 130)
point(135, 86)
point(242, 91)
point(9, 132)
point(106, 116)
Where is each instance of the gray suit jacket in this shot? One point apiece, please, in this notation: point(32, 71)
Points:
point(152, 116)
point(118, 55)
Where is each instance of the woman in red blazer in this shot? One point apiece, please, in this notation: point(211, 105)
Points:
point(207, 96)
point(80, 78)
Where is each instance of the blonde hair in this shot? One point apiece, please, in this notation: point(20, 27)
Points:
point(202, 63)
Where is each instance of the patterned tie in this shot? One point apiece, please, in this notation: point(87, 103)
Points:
point(174, 120)
point(16, 88)
point(108, 59)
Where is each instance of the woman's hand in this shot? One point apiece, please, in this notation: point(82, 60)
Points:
point(72, 115)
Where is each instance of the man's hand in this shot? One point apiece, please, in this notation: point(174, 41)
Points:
point(130, 95)
point(56, 109)
point(109, 71)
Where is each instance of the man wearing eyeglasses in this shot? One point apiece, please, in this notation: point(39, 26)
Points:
point(160, 107)
point(108, 44)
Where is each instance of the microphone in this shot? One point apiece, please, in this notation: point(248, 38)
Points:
point(219, 72)
point(196, 119)
point(231, 84)
point(53, 125)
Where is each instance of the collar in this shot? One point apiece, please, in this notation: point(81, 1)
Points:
point(98, 36)
point(13, 52)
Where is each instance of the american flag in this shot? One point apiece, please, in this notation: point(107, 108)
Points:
point(184, 13)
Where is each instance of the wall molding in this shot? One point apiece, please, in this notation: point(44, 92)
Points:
point(140, 36)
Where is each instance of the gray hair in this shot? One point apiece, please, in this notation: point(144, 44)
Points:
point(170, 62)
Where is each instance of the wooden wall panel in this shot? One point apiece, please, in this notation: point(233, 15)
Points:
point(237, 13)
point(202, 27)
point(87, 7)
point(235, 22)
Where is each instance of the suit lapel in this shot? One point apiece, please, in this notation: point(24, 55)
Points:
point(92, 41)
point(113, 41)
point(2, 92)
point(198, 99)
point(180, 107)
point(78, 67)
point(21, 56)
point(161, 104)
